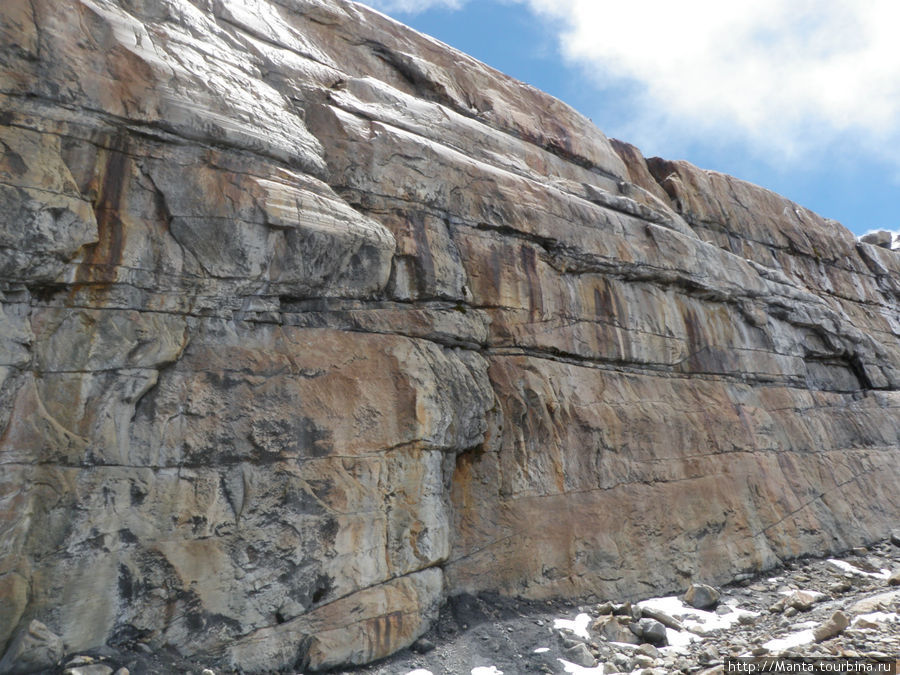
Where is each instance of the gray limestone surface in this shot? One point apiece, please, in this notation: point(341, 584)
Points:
point(309, 323)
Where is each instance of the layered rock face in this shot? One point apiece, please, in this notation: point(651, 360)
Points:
point(309, 321)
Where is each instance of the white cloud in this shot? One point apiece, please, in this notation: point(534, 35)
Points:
point(783, 77)
point(412, 6)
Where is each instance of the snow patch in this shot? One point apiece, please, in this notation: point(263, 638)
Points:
point(420, 671)
point(486, 670)
point(802, 637)
point(679, 639)
point(578, 626)
point(853, 569)
point(575, 669)
point(541, 650)
point(806, 624)
point(696, 620)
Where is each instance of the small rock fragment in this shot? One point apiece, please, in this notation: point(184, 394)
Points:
point(803, 601)
point(79, 661)
point(567, 640)
point(643, 661)
point(648, 649)
point(422, 646)
point(90, 669)
point(840, 587)
point(701, 596)
point(709, 654)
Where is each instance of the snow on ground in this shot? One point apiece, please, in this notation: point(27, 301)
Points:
point(679, 639)
point(696, 620)
point(579, 626)
point(420, 671)
point(802, 637)
point(575, 669)
point(486, 670)
point(542, 650)
point(853, 569)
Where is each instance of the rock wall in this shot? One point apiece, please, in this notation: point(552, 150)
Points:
point(309, 320)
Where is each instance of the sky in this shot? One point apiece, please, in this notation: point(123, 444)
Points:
point(799, 96)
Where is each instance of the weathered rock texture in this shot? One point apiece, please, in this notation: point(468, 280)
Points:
point(309, 320)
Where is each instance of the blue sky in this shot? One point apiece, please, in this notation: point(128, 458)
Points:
point(799, 96)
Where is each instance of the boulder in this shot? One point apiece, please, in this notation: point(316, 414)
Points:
point(652, 632)
point(882, 238)
point(579, 654)
point(832, 627)
point(701, 596)
point(34, 648)
point(803, 601)
point(615, 629)
point(662, 617)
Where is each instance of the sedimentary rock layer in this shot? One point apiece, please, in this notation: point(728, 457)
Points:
point(309, 320)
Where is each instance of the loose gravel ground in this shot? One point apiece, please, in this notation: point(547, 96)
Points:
point(488, 634)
